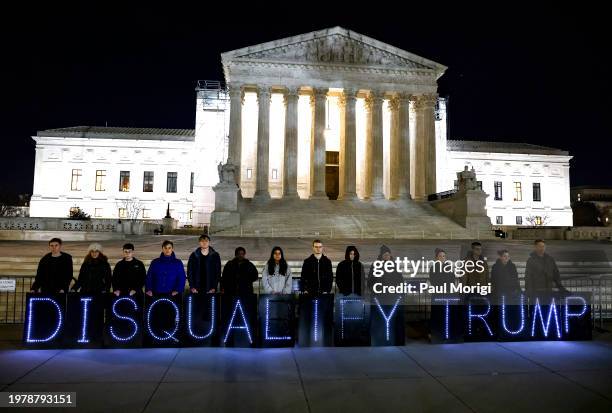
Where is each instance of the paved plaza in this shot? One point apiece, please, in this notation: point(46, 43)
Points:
point(420, 377)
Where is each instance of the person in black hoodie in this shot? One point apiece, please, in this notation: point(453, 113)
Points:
point(504, 278)
point(204, 267)
point(54, 272)
point(317, 273)
point(350, 274)
point(95, 273)
point(129, 273)
point(238, 275)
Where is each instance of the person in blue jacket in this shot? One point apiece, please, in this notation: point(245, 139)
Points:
point(204, 267)
point(166, 273)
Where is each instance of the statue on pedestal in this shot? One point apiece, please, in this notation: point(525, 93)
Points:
point(227, 174)
point(466, 180)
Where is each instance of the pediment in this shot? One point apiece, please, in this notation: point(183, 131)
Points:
point(336, 46)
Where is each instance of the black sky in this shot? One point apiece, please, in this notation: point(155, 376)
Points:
point(541, 78)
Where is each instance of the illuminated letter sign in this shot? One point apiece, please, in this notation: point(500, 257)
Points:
point(446, 325)
point(316, 318)
point(352, 320)
point(44, 319)
point(553, 315)
point(163, 319)
point(577, 318)
point(276, 320)
point(84, 320)
point(201, 314)
point(239, 315)
point(512, 319)
point(124, 320)
point(478, 311)
point(387, 324)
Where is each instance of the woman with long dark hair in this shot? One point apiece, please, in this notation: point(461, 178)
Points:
point(276, 276)
point(350, 274)
point(95, 273)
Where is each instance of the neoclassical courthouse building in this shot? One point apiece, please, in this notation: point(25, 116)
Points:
point(328, 114)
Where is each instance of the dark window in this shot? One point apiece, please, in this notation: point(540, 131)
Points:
point(171, 182)
point(479, 185)
point(124, 181)
point(498, 190)
point(499, 220)
point(537, 194)
point(519, 220)
point(456, 185)
point(191, 183)
point(147, 182)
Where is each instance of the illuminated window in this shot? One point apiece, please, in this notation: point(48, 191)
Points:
point(122, 213)
point(456, 185)
point(100, 174)
point(249, 173)
point(274, 173)
point(538, 220)
point(537, 194)
point(124, 181)
point(498, 190)
point(97, 212)
point(75, 184)
point(146, 213)
point(190, 214)
point(499, 220)
point(191, 183)
point(518, 191)
point(519, 220)
point(147, 182)
point(171, 182)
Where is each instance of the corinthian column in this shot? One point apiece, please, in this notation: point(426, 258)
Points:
point(234, 155)
point(367, 158)
point(317, 158)
point(348, 145)
point(425, 147)
point(291, 144)
point(403, 172)
point(377, 145)
point(262, 192)
point(394, 149)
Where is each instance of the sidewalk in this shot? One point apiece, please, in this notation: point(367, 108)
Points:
point(481, 377)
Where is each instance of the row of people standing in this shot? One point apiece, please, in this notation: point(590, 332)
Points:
point(166, 274)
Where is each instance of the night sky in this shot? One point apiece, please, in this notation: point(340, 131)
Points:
point(541, 78)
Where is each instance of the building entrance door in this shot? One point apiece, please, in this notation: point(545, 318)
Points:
point(332, 174)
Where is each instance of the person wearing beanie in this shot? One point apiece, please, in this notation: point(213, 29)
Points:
point(95, 272)
point(389, 278)
point(129, 273)
point(350, 274)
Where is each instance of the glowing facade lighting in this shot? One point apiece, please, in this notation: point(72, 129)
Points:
point(122, 317)
point(316, 319)
point(58, 326)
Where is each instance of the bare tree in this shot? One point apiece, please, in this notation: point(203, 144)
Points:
point(132, 207)
point(7, 210)
point(538, 220)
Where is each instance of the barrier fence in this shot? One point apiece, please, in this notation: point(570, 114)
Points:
point(418, 308)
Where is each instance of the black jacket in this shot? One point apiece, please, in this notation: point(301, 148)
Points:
point(541, 273)
point(94, 276)
point(317, 275)
point(129, 275)
point(53, 274)
point(213, 270)
point(350, 277)
point(238, 277)
point(504, 279)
